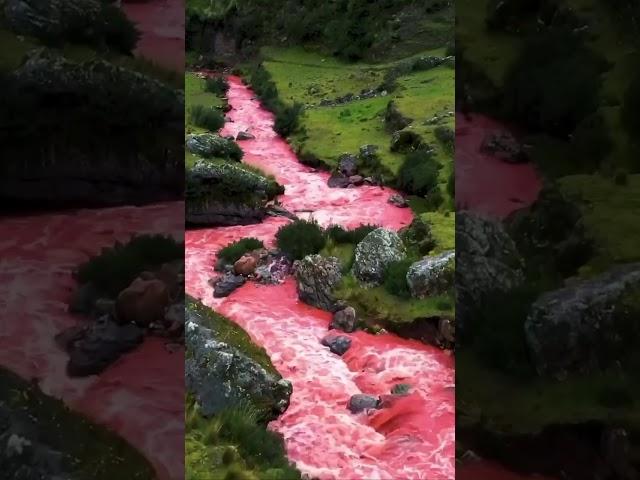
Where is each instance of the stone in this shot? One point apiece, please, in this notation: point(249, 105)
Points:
point(92, 349)
point(368, 154)
point(344, 320)
point(221, 375)
point(405, 141)
point(348, 164)
point(487, 262)
point(432, 275)
point(316, 278)
point(360, 402)
point(337, 344)
point(356, 180)
point(209, 145)
point(584, 327)
point(244, 135)
point(226, 284)
point(375, 253)
point(246, 265)
point(337, 180)
point(84, 299)
point(104, 306)
point(398, 200)
point(142, 302)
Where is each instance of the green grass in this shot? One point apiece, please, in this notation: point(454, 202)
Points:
point(342, 251)
point(377, 306)
point(195, 94)
point(612, 216)
point(90, 451)
point(443, 229)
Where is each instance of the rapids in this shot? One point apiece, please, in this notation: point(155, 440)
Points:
point(413, 438)
point(140, 396)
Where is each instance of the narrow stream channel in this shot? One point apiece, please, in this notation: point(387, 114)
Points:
point(414, 438)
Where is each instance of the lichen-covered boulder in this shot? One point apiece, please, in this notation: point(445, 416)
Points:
point(586, 325)
point(344, 320)
point(487, 262)
point(432, 275)
point(375, 253)
point(209, 145)
point(348, 164)
point(316, 277)
point(221, 375)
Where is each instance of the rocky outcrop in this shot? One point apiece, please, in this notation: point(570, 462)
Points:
point(222, 375)
point(344, 320)
point(208, 145)
point(348, 164)
point(586, 325)
point(316, 277)
point(375, 253)
point(487, 261)
point(224, 214)
point(432, 275)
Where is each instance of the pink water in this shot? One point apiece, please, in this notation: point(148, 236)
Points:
point(141, 396)
point(484, 183)
point(413, 438)
point(161, 24)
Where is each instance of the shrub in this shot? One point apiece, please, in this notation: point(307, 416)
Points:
point(451, 184)
point(206, 117)
point(232, 252)
point(117, 31)
point(395, 279)
point(418, 235)
point(116, 267)
point(216, 85)
point(446, 136)
point(354, 236)
point(287, 119)
point(419, 173)
point(300, 238)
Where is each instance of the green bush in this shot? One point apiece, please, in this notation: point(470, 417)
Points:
point(451, 184)
point(116, 267)
point(206, 117)
point(301, 238)
point(419, 173)
point(117, 31)
point(232, 252)
point(418, 236)
point(446, 136)
point(395, 279)
point(287, 119)
point(216, 85)
point(354, 236)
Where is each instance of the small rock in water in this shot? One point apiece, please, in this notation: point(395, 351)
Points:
point(356, 180)
point(344, 320)
point(337, 344)
point(227, 284)
point(244, 135)
point(142, 302)
point(338, 180)
point(360, 402)
point(246, 265)
point(398, 200)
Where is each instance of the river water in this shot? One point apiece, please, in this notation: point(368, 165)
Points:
point(413, 439)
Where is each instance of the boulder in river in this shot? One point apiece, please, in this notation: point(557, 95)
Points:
point(344, 320)
point(375, 253)
point(487, 262)
point(360, 402)
point(587, 325)
point(226, 284)
point(244, 135)
point(398, 200)
point(338, 344)
point(92, 349)
point(337, 180)
point(432, 275)
point(316, 277)
point(222, 374)
point(142, 302)
point(348, 164)
point(246, 265)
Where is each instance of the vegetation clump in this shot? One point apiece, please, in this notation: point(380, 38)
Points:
point(419, 173)
point(354, 236)
point(235, 250)
point(216, 85)
point(301, 238)
point(206, 117)
point(395, 278)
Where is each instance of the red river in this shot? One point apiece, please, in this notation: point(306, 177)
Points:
point(414, 438)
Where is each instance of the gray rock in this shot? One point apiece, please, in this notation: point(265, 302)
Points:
point(344, 320)
point(356, 180)
point(398, 200)
point(244, 136)
point(487, 262)
point(209, 145)
point(94, 348)
point(316, 277)
point(432, 275)
point(222, 376)
point(348, 164)
point(226, 284)
point(579, 327)
point(375, 253)
point(337, 180)
point(50, 19)
point(360, 402)
point(337, 344)
point(368, 154)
